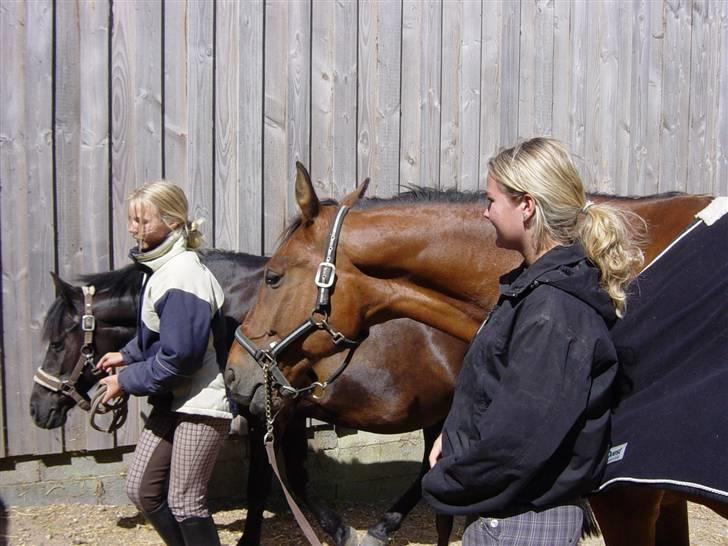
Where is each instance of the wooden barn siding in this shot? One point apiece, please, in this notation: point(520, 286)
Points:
point(224, 97)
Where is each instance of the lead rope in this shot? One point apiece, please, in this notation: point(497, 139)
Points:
point(268, 441)
point(118, 407)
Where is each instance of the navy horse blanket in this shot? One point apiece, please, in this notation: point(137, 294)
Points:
point(670, 426)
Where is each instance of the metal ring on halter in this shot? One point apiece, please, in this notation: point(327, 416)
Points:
point(317, 384)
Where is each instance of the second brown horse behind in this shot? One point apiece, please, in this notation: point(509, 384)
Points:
point(432, 258)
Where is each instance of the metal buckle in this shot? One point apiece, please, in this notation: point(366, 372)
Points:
point(88, 323)
point(323, 268)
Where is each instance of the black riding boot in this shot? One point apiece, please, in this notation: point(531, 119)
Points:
point(166, 526)
point(199, 532)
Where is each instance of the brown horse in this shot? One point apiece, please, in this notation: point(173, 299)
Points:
point(433, 260)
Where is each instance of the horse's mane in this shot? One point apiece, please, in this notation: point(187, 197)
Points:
point(208, 255)
point(117, 284)
point(422, 194)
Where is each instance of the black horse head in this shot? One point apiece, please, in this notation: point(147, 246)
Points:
point(113, 307)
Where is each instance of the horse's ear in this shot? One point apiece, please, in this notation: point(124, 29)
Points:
point(64, 290)
point(306, 197)
point(357, 194)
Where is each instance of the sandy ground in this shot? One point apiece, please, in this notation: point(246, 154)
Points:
point(73, 524)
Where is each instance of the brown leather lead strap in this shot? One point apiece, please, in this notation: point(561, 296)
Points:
point(300, 518)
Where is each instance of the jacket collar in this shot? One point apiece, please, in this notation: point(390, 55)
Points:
point(172, 246)
point(524, 276)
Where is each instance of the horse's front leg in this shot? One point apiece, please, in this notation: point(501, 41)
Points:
point(295, 453)
point(260, 476)
point(627, 514)
point(380, 533)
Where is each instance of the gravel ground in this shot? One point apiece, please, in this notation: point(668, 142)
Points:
point(74, 524)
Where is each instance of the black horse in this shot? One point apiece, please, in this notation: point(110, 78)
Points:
point(114, 308)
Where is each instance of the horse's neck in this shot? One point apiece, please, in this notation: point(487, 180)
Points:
point(666, 217)
point(239, 276)
point(435, 262)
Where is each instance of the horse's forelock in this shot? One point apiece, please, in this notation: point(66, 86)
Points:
point(298, 220)
point(53, 323)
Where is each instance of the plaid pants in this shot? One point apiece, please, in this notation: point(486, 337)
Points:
point(173, 462)
point(559, 526)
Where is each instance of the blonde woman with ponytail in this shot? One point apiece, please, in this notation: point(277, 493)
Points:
point(527, 434)
point(176, 359)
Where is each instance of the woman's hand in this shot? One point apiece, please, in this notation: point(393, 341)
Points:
point(436, 451)
point(113, 389)
point(109, 361)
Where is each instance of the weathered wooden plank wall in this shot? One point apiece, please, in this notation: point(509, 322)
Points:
point(224, 96)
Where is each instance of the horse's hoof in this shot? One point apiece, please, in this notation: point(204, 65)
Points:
point(370, 540)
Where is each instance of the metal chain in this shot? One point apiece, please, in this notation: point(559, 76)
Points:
point(268, 386)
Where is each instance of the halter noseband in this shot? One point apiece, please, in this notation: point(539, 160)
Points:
point(324, 279)
point(86, 358)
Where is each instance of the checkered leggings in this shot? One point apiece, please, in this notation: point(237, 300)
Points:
point(173, 462)
point(556, 526)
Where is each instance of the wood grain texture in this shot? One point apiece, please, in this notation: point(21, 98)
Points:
point(26, 179)
point(223, 97)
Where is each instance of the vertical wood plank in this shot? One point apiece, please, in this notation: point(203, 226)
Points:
point(535, 86)
point(200, 115)
point(626, 91)
point(238, 125)
point(176, 100)
point(27, 230)
point(82, 146)
point(380, 32)
point(460, 126)
point(333, 98)
point(491, 83)
point(704, 65)
point(579, 35)
point(648, 169)
point(563, 74)
point(721, 114)
point(676, 96)
point(287, 103)
point(509, 63)
point(602, 72)
point(421, 89)
point(250, 139)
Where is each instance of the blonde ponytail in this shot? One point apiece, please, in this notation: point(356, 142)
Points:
point(611, 238)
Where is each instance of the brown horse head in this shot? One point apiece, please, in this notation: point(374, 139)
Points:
point(369, 263)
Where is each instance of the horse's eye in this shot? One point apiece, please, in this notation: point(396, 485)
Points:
point(56, 346)
point(272, 278)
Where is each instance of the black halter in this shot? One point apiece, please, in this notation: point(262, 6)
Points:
point(317, 320)
point(86, 358)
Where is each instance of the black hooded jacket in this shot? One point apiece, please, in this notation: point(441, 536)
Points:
point(529, 424)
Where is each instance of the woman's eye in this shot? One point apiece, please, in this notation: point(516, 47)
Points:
point(272, 278)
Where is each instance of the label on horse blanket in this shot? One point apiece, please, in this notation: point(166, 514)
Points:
point(673, 346)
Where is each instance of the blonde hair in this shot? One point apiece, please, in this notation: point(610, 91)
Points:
point(611, 238)
point(171, 202)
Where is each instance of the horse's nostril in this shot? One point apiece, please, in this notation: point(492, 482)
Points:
point(229, 377)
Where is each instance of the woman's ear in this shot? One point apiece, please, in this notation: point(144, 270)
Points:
point(528, 207)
